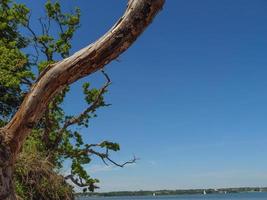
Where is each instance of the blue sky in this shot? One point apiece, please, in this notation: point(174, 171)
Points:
point(189, 98)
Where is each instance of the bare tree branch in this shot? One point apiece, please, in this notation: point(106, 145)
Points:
point(105, 156)
point(138, 15)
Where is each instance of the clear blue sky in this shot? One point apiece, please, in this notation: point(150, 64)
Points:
point(189, 97)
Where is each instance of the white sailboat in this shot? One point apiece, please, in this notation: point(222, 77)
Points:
point(204, 192)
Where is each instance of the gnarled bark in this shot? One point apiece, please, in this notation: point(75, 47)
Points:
point(7, 191)
point(6, 170)
point(138, 15)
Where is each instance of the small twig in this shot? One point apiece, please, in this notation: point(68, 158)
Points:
point(26, 82)
point(105, 156)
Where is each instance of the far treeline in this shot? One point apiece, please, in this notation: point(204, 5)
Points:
point(177, 192)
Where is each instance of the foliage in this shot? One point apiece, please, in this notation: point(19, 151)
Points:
point(55, 138)
point(14, 68)
point(36, 177)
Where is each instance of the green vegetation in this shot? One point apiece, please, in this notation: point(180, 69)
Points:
point(56, 138)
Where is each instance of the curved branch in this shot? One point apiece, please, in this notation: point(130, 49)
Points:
point(105, 157)
point(138, 15)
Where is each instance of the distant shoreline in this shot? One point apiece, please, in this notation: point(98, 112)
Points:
point(176, 192)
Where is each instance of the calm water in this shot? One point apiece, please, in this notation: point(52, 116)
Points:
point(243, 196)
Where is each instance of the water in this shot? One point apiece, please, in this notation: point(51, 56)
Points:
point(240, 196)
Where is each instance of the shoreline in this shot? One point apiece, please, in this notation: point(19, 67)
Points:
point(175, 192)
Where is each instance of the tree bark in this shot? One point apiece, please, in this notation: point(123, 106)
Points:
point(138, 15)
point(7, 191)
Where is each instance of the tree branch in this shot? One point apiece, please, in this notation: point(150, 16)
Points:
point(79, 118)
point(91, 108)
point(138, 15)
point(105, 156)
point(76, 181)
point(79, 182)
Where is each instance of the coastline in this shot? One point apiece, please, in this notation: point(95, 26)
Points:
point(175, 192)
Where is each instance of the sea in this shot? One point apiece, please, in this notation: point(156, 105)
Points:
point(233, 196)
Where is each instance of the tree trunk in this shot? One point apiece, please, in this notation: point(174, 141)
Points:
point(7, 191)
point(138, 15)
